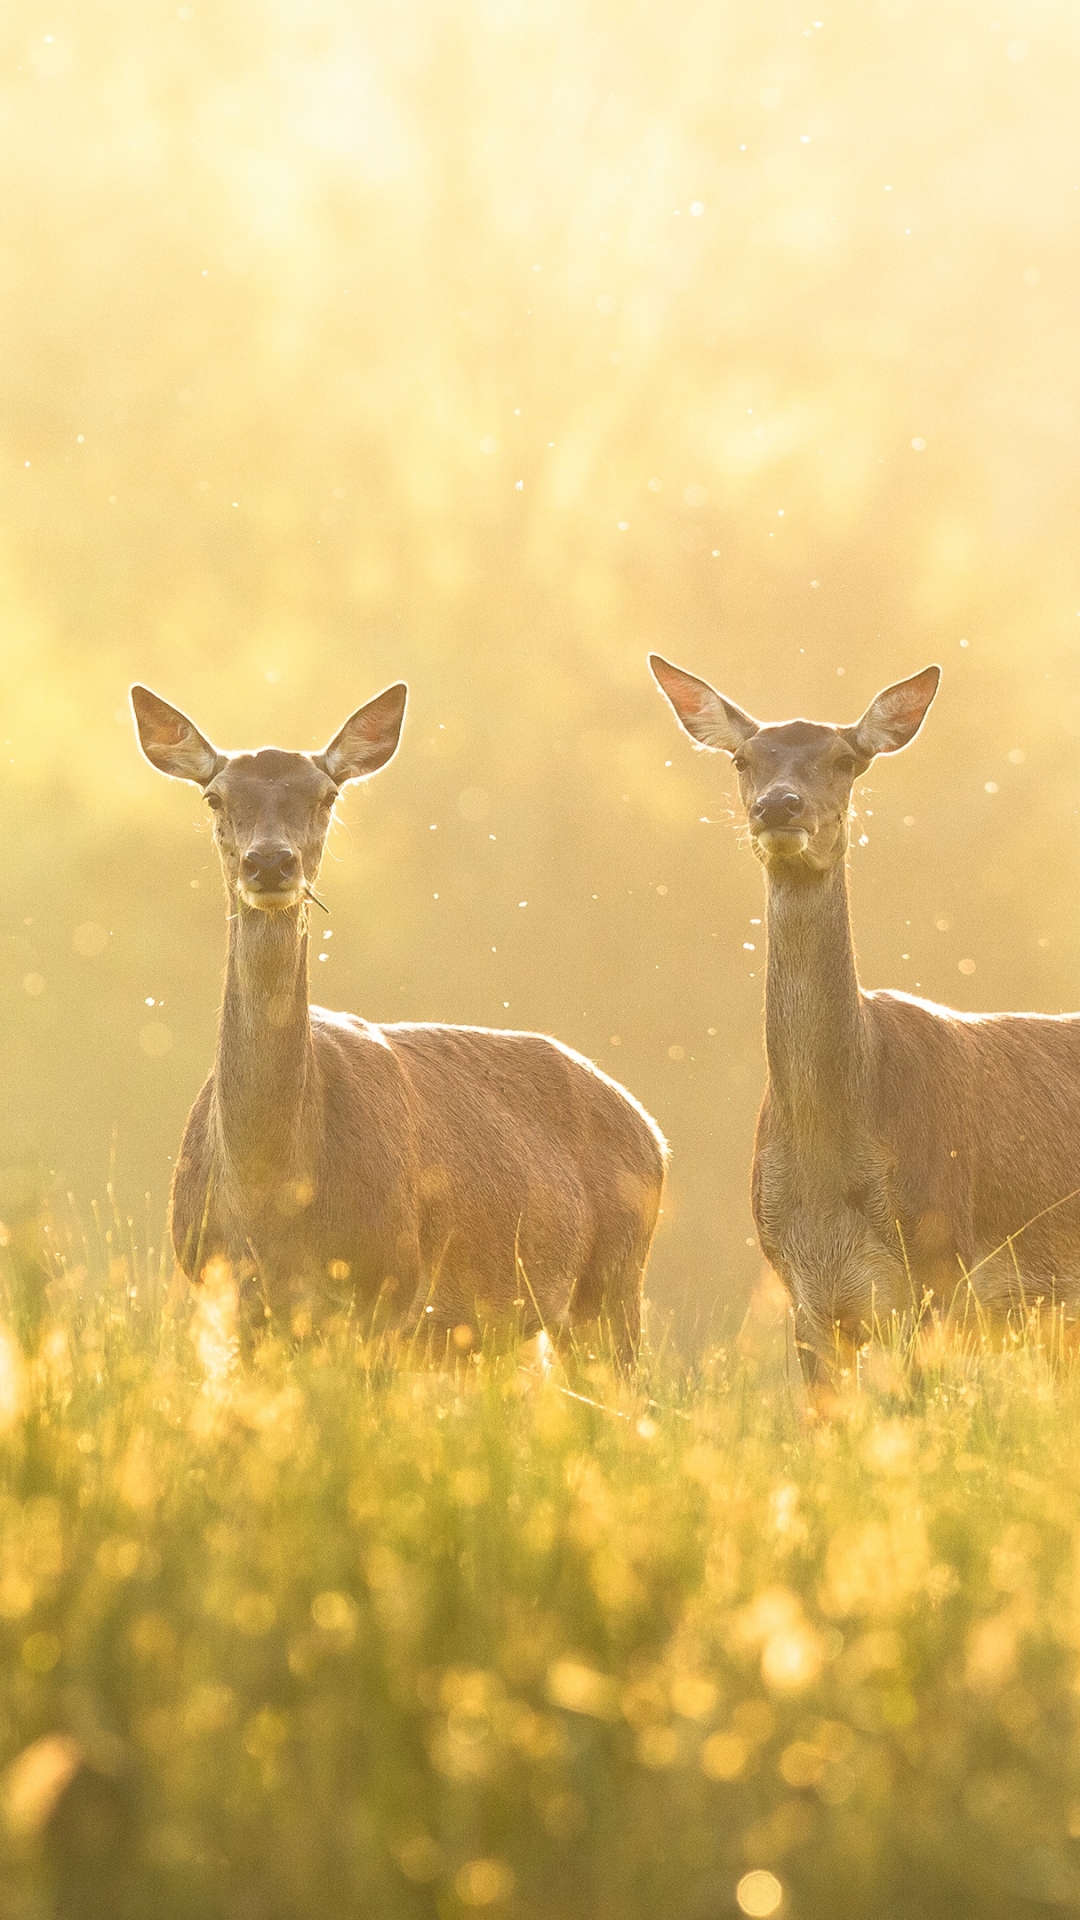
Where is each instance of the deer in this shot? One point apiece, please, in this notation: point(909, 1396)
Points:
point(910, 1162)
point(428, 1178)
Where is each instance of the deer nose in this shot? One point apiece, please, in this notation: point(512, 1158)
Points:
point(270, 867)
point(776, 809)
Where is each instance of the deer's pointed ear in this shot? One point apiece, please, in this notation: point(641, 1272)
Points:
point(708, 718)
point(368, 739)
point(895, 715)
point(171, 742)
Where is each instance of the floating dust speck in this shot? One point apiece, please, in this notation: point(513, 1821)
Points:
point(90, 939)
point(759, 1894)
point(474, 803)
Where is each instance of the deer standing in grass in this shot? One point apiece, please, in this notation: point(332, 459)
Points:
point(907, 1156)
point(434, 1175)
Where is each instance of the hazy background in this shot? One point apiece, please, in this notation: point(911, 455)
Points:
point(490, 345)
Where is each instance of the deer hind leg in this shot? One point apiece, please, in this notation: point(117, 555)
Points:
point(609, 1288)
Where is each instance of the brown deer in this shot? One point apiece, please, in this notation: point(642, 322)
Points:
point(907, 1156)
point(435, 1176)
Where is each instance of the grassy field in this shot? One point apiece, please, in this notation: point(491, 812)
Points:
point(325, 1633)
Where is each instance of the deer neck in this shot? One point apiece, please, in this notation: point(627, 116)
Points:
point(264, 1074)
point(815, 1038)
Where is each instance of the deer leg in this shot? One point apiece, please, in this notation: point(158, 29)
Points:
point(609, 1288)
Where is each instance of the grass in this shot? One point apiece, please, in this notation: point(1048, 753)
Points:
point(326, 1634)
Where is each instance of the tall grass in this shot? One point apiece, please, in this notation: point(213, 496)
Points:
point(323, 1632)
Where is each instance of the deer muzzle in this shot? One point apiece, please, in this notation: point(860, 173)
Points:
point(775, 826)
point(271, 878)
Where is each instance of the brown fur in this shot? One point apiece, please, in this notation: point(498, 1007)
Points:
point(434, 1175)
point(905, 1153)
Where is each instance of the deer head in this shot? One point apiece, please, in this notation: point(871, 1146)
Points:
point(271, 809)
point(795, 778)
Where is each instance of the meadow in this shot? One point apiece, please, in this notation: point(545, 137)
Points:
point(314, 1629)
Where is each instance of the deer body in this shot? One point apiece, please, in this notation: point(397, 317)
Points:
point(905, 1152)
point(433, 1175)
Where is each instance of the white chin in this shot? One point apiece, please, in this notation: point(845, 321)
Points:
point(774, 843)
point(270, 902)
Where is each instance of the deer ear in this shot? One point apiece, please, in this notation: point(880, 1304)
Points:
point(708, 718)
point(171, 742)
point(895, 715)
point(368, 739)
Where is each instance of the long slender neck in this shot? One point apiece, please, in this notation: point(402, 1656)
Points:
point(815, 1037)
point(264, 1069)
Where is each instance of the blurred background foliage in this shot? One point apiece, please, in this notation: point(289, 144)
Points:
point(489, 345)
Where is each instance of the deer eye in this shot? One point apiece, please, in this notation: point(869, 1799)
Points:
point(846, 763)
point(739, 763)
point(214, 802)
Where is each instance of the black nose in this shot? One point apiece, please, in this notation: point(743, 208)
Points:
point(776, 809)
point(271, 868)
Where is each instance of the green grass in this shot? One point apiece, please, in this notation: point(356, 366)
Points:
point(325, 1634)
